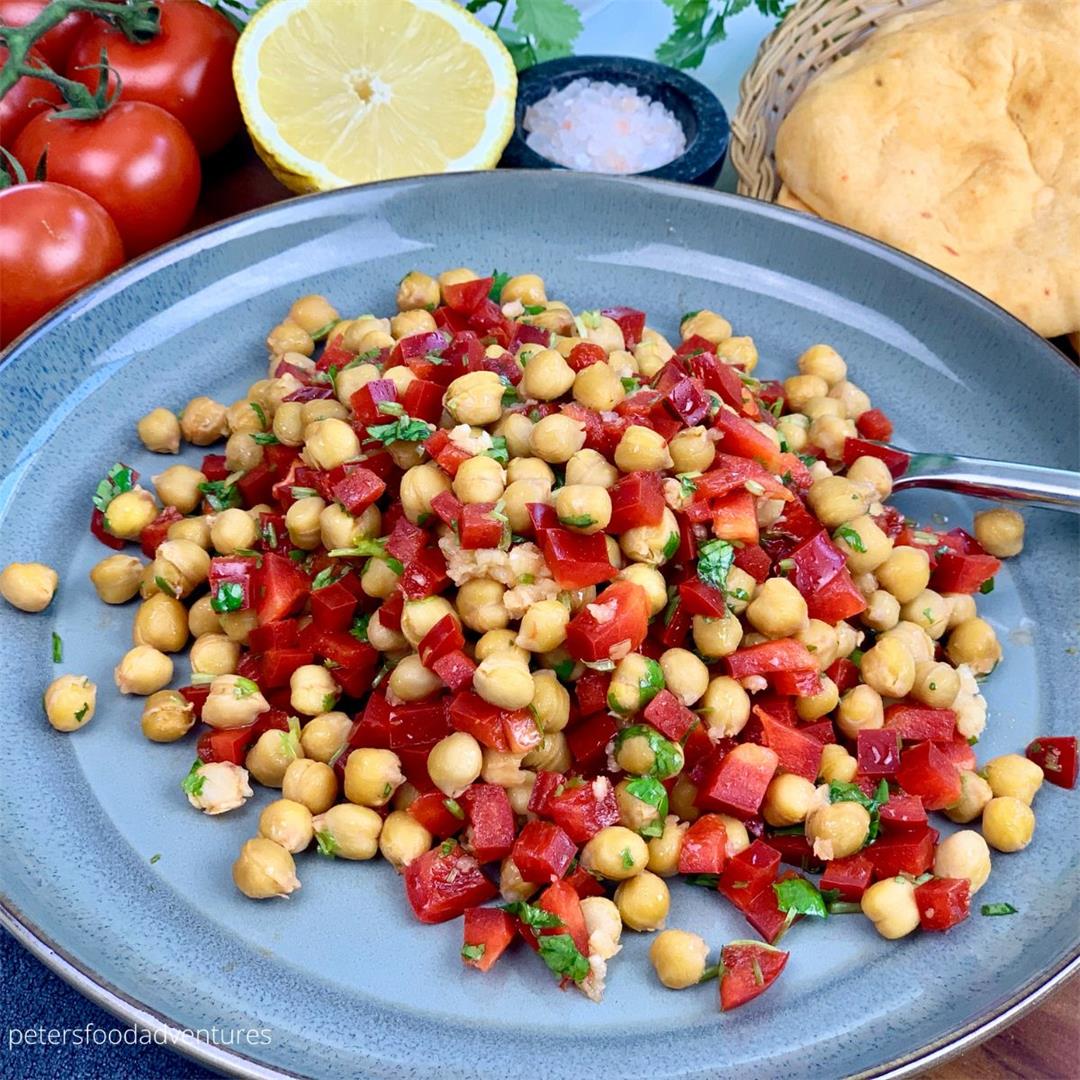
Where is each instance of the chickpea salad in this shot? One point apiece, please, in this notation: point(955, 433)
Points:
point(547, 610)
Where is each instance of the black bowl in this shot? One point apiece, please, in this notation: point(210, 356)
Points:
point(695, 107)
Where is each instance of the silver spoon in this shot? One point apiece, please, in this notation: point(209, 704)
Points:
point(1036, 485)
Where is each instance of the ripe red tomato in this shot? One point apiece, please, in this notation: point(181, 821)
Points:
point(25, 99)
point(55, 45)
point(186, 70)
point(53, 241)
point(136, 160)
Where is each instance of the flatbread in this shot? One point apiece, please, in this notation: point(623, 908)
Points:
point(953, 133)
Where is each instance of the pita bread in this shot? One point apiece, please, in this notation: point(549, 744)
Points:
point(953, 133)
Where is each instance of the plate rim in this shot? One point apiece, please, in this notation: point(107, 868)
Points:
point(226, 1059)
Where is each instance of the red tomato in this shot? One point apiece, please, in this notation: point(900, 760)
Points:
point(56, 44)
point(136, 160)
point(25, 99)
point(53, 241)
point(186, 70)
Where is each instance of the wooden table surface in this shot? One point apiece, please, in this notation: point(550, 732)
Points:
point(1044, 1044)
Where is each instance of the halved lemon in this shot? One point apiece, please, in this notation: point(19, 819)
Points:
point(338, 92)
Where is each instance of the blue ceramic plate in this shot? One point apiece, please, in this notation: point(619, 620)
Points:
point(341, 977)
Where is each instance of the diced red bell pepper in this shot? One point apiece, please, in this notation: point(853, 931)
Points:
point(723, 380)
point(943, 902)
point(844, 673)
point(909, 852)
point(784, 654)
point(673, 627)
point(196, 697)
point(749, 969)
point(466, 296)
point(154, 534)
point(332, 606)
point(796, 683)
point(631, 322)
point(587, 740)
point(963, 573)
point(591, 692)
point(543, 852)
point(740, 437)
point(470, 713)
point(281, 588)
point(455, 669)
point(584, 354)
point(581, 811)
point(418, 725)
point(902, 812)
point(734, 518)
point(479, 528)
point(1056, 756)
point(704, 846)
point(576, 560)
point(764, 915)
point(213, 467)
point(365, 402)
point(837, 599)
point(562, 900)
point(878, 752)
point(276, 635)
point(896, 461)
point(796, 751)
point(925, 771)
point(874, 424)
point(490, 835)
point(372, 726)
point(688, 400)
point(431, 811)
point(406, 540)
point(416, 346)
point(504, 365)
point(488, 931)
point(447, 455)
point(584, 884)
point(748, 873)
point(522, 730)
point(444, 637)
point(817, 560)
point(754, 560)
point(390, 610)
point(358, 489)
point(636, 499)
point(547, 783)
point(670, 716)
point(423, 400)
point(796, 851)
point(225, 744)
point(542, 517)
point(729, 473)
point(703, 599)
point(850, 877)
point(736, 784)
point(447, 508)
point(620, 613)
point(257, 485)
point(443, 882)
point(959, 752)
point(915, 723)
point(425, 575)
point(277, 666)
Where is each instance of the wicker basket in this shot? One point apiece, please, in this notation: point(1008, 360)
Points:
point(811, 37)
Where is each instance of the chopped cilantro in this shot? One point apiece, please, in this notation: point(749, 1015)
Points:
point(257, 409)
point(687, 487)
point(167, 587)
point(446, 847)
point(57, 649)
point(229, 596)
point(564, 669)
point(855, 656)
point(533, 916)
point(650, 791)
point(403, 429)
point(80, 713)
point(193, 783)
point(987, 586)
point(244, 687)
point(535, 309)
point(472, 952)
point(155, 858)
point(324, 578)
point(842, 792)
point(118, 479)
point(564, 958)
point(498, 280)
point(850, 537)
point(671, 546)
point(328, 846)
point(498, 450)
point(689, 315)
point(510, 394)
point(359, 627)
point(328, 702)
point(222, 496)
point(999, 909)
point(715, 560)
point(667, 757)
point(265, 438)
point(454, 807)
point(706, 881)
point(578, 521)
point(631, 386)
point(797, 896)
point(627, 859)
point(323, 331)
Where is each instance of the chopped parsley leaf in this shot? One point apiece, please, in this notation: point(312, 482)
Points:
point(687, 487)
point(258, 410)
point(222, 496)
point(328, 702)
point(472, 952)
point(244, 687)
point(627, 858)
point(359, 627)
point(715, 560)
point(667, 757)
point(324, 578)
point(578, 521)
point(454, 807)
point(228, 597)
point(534, 309)
point(631, 386)
point(498, 450)
point(999, 909)
point(80, 713)
point(328, 846)
point(706, 881)
point(563, 957)
point(797, 896)
point(265, 438)
point(118, 479)
point(155, 858)
point(403, 429)
point(193, 783)
point(57, 648)
point(533, 916)
point(164, 586)
point(987, 586)
point(498, 280)
point(851, 537)
point(842, 792)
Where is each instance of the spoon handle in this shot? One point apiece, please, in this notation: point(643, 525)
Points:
point(1055, 489)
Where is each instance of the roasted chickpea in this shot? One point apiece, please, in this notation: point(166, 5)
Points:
point(287, 823)
point(311, 783)
point(167, 716)
point(835, 499)
point(974, 643)
point(203, 421)
point(421, 484)
point(860, 709)
point(584, 508)
point(1015, 776)
point(161, 621)
point(905, 573)
point(502, 679)
point(678, 958)
point(890, 905)
point(837, 764)
point(643, 901)
point(724, 708)
point(475, 398)
point(1000, 531)
point(348, 831)
point(936, 684)
point(788, 800)
point(312, 690)
point(323, 736)
point(403, 839)
point(975, 793)
point(837, 830)
point(480, 479)
point(264, 870)
point(417, 290)
point(717, 637)
point(615, 853)
point(454, 763)
point(963, 855)
point(69, 702)
point(556, 438)
point(641, 448)
point(598, 387)
point(411, 681)
point(29, 586)
point(143, 670)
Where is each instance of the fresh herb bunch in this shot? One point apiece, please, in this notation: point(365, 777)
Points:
point(700, 24)
point(543, 29)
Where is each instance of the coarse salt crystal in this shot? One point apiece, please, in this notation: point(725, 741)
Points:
point(603, 127)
